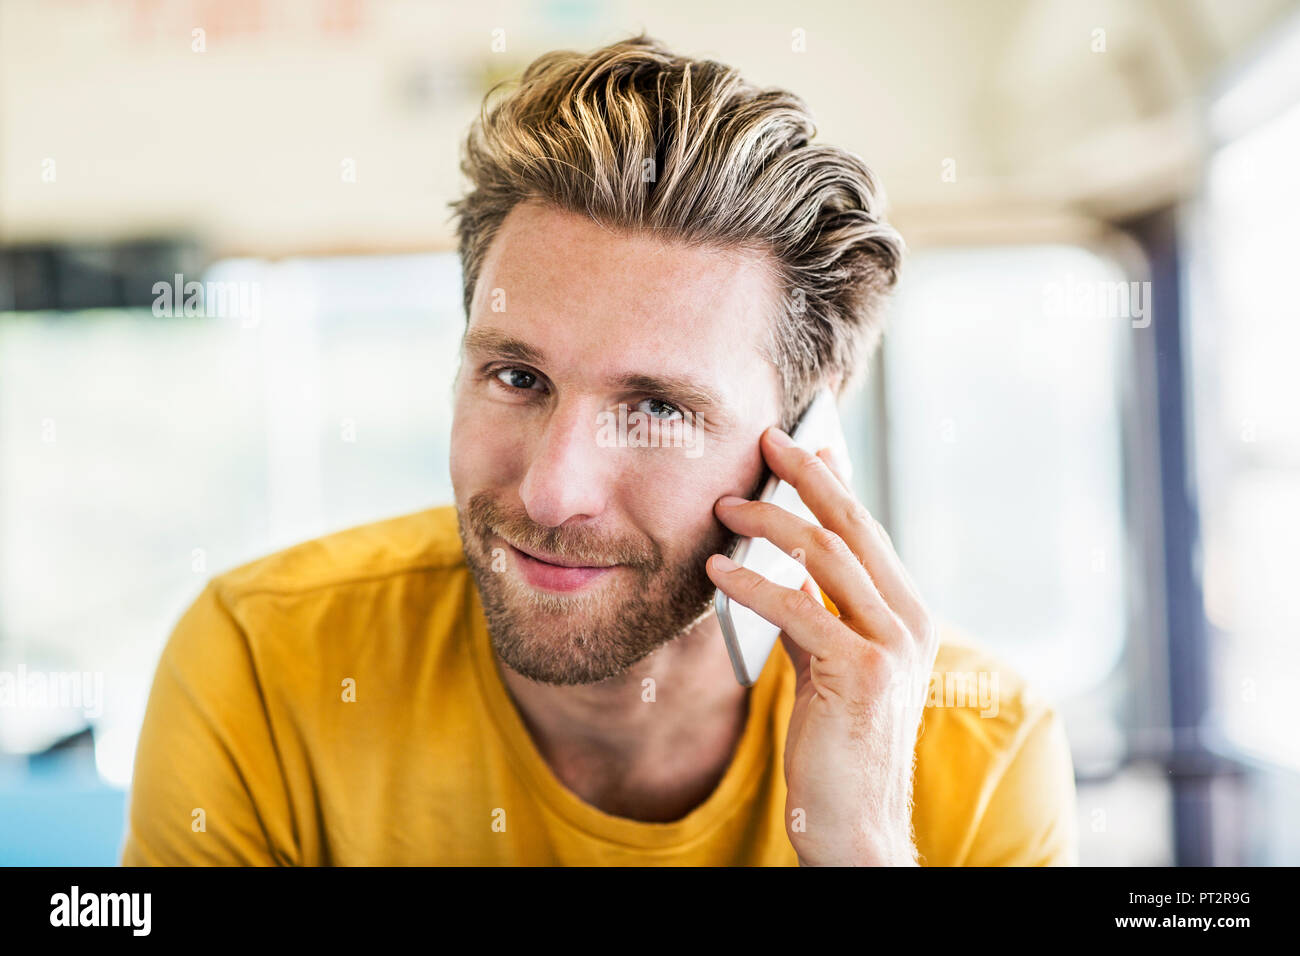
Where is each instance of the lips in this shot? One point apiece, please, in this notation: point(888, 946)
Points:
point(556, 559)
point(550, 576)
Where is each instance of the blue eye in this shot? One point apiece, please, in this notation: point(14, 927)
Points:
point(657, 410)
point(516, 378)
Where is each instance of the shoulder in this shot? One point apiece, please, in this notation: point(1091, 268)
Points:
point(243, 699)
point(975, 694)
point(994, 780)
point(373, 578)
point(409, 544)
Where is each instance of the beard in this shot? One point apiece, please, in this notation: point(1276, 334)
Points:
point(583, 638)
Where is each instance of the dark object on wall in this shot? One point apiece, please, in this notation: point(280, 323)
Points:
point(92, 276)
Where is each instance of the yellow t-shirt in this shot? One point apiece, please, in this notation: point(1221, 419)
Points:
point(250, 753)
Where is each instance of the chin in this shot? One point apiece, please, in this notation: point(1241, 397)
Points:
point(596, 634)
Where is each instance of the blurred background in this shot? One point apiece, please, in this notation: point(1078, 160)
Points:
point(1083, 429)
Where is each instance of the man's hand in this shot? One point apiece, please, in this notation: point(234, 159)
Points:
point(861, 676)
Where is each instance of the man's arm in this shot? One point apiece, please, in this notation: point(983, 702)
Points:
point(207, 788)
point(1031, 818)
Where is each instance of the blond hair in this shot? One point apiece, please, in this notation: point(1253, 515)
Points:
point(639, 138)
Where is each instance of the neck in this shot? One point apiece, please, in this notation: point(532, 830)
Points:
point(649, 751)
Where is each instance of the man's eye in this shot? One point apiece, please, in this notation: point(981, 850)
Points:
point(662, 411)
point(516, 378)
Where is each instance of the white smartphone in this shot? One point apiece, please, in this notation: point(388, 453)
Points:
point(750, 637)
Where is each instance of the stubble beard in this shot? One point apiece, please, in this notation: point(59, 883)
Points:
point(583, 638)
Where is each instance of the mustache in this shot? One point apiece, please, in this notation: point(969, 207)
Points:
point(487, 517)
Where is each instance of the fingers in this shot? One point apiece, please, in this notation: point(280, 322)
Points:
point(798, 656)
point(839, 465)
point(838, 510)
point(803, 618)
point(826, 555)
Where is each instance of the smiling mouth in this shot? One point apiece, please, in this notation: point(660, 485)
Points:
point(545, 573)
point(557, 560)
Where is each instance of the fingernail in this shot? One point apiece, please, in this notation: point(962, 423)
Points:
point(723, 563)
point(731, 500)
point(840, 460)
point(781, 438)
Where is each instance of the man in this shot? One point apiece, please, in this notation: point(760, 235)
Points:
point(536, 675)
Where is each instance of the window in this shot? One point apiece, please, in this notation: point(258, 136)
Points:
point(1245, 331)
point(1003, 370)
point(141, 455)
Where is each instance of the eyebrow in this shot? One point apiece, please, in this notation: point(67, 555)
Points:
point(672, 388)
point(502, 344)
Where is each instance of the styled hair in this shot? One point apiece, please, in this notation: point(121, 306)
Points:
point(639, 138)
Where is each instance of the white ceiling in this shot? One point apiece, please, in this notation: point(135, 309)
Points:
point(244, 143)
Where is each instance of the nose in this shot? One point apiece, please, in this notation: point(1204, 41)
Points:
point(568, 476)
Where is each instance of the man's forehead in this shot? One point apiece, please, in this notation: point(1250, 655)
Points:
point(562, 292)
point(544, 257)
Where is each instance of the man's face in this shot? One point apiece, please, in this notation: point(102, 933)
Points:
point(611, 390)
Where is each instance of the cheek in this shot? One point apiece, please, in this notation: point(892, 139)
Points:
point(672, 496)
point(484, 453)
